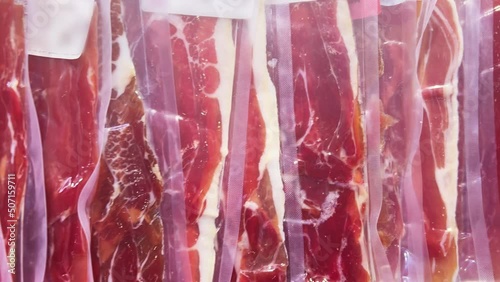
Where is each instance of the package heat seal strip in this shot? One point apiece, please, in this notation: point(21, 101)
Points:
point(278, 14)
point(477, 97)
point(162, 112)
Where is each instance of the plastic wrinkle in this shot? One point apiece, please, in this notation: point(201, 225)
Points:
point(34, 224)
point(472, 30)
point(104, 97)
point(293, 211)
point(238, 137)
point(427, 7)
point(488, 142)
point(416, 254)
point(370, 88)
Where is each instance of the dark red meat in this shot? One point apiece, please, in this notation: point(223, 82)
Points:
point(440, 58)
point(330, 143)
point(198, 84)
point(395, 87)
point(13, 136)
point(261, 251)
point(127, 242)
point(66, 93)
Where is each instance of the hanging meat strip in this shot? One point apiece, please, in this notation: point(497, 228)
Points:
point(13, 142)
point(395, 87)
point(261, 254)
point(127, 231)
point(203, 63)
point(440, 58)
point(66, 94)
point(330, 144)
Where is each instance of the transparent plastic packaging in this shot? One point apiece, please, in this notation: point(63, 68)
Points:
point(69, 95)
point(14, 133)
point(266, 140)
point(23, 201)
point(491, 39)
point(313, 58)
point(187, 105)
point(479, 203)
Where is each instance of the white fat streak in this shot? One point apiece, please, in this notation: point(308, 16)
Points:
point(156, 171)
point(13, 144)
point(124, 71)
point(266, 96)
point(112, 264)
point(226, 56)
point(303, 74)
point(90, 75)
point(141, 267)
point(243, 244)
point(329, 205)
point(208, 230)
point(13, 83)
point(116, 192)
point(343, 245)
point(344, 24)
point(447, 177)
point(251, 205)
point(64, 215)
point(13, 36)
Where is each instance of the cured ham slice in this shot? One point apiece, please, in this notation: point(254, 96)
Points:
point(203, 67)
point(65, 94)
point(13, 132)
point(260, 252)
point(329, 140)
point(127, 231)
point(440, 58)
point(395, 83)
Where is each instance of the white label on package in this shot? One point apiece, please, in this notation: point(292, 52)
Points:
point(391, 2)
point(279, 2)
point(58, 28)
point(231, 9)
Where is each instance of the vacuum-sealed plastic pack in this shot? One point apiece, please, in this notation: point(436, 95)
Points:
point(22, 201)
point(67, 75)
point(259, 140)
